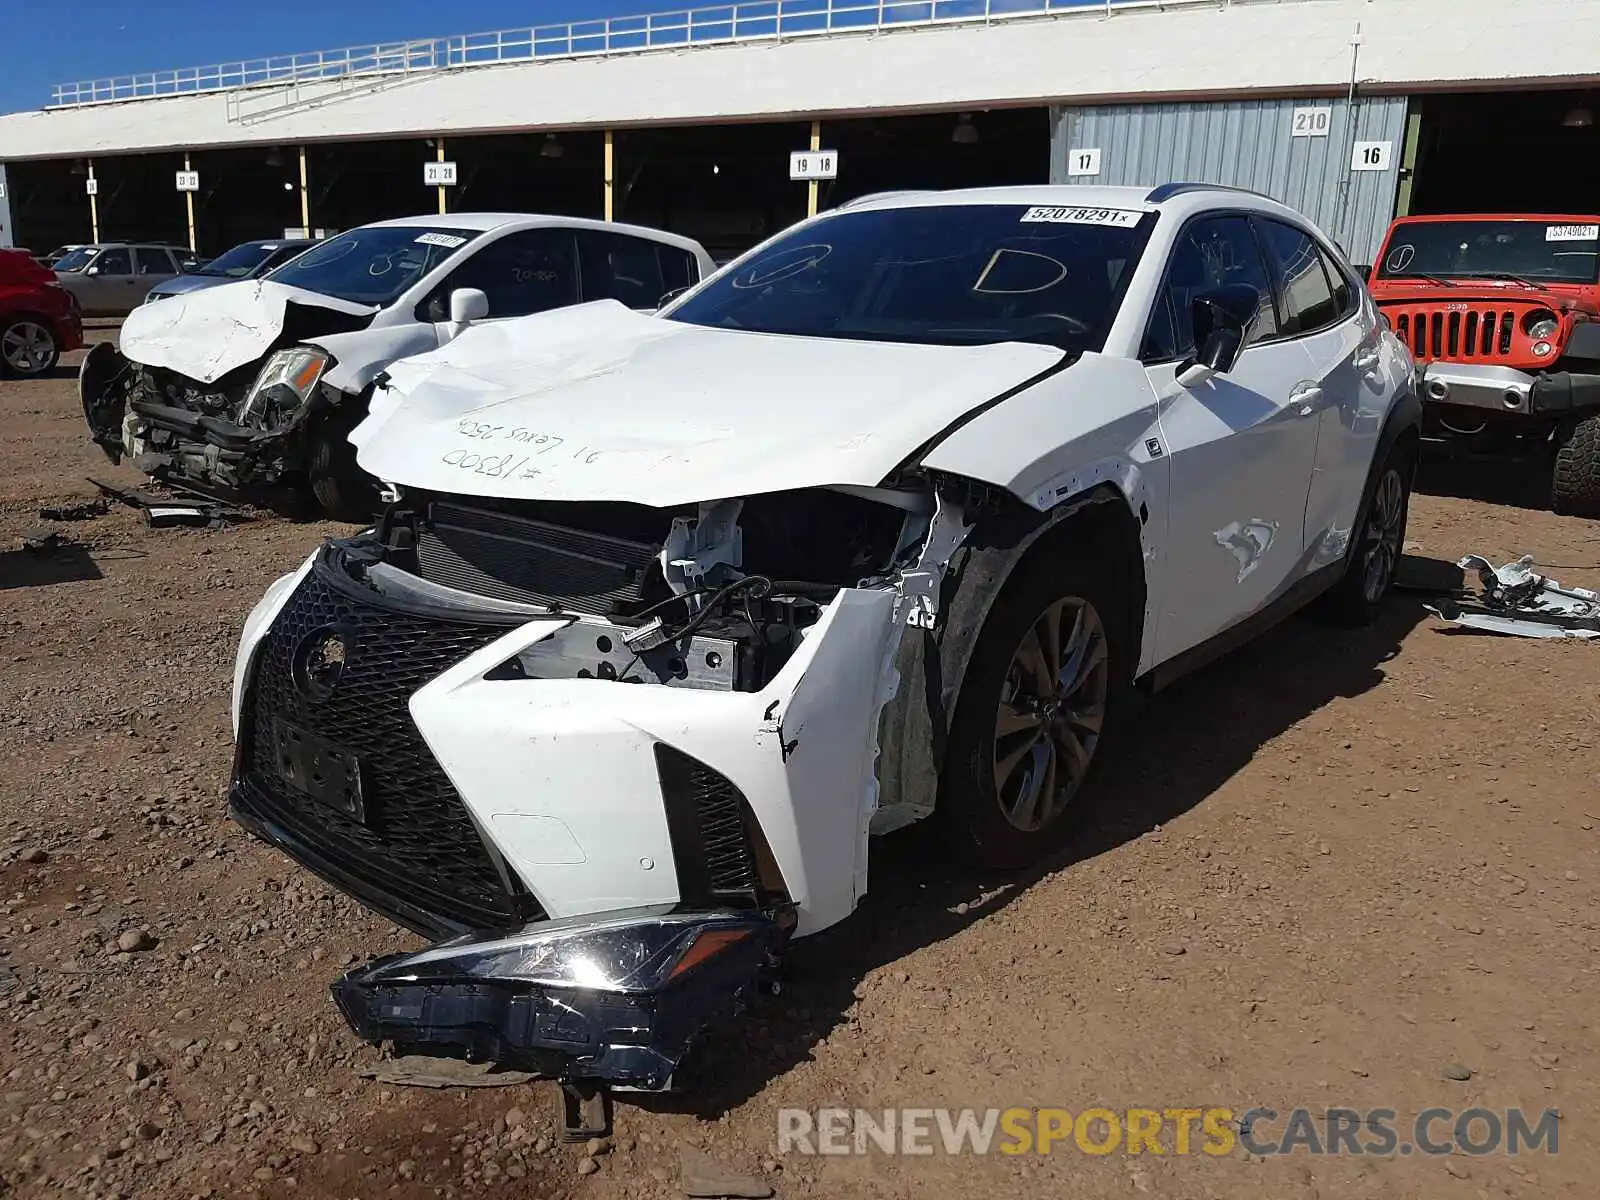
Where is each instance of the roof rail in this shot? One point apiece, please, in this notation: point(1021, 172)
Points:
point(1167, 191)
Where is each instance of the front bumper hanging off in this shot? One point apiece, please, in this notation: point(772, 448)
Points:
point(615, 999)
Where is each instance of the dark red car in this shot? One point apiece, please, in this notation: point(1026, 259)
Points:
point(1502, 313)
point(39, 319)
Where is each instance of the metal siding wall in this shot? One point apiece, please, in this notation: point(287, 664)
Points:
point(8, 236)
point(1247, 143)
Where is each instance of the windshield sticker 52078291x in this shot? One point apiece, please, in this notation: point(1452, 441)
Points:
point(1121, 217)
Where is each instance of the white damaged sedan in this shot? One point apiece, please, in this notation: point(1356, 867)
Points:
point(667, 614)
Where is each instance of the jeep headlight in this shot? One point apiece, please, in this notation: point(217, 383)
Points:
point(1541, 324)
point(284, 384)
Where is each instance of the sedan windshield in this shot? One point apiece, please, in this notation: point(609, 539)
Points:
point(372, 265)
point(957, 275)
point(1535, 251)
point(238, 262)
point(75, 260)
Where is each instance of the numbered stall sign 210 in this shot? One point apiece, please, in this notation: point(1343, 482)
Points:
point(1311, 122)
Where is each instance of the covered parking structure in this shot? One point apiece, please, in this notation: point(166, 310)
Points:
point(693, 131)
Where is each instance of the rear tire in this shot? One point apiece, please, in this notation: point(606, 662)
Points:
point(1575, 483)
point(28, 348)
point(1045, 689)
point(342, 488)
point(1377, 543)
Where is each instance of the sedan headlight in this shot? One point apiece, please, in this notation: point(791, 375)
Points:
point(1541, 324)
point(284, 384)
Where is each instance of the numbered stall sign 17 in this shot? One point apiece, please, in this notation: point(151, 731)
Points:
point(439, 174)
point(1083, 161)
point(1371, 156)
point(814, 164)
point(1312, 122)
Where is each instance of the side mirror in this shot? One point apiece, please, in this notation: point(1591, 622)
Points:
point(468, 305)
point(1365, 272)
point(91, 270)
point(668, 297)
point(1224, 318)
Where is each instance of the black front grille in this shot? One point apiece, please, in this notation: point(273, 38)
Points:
point(531, 562)
point(1434, 334)
point(414, 839)
point(710, 829)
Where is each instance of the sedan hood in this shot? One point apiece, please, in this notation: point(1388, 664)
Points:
point(204, 335)
point(600, 403)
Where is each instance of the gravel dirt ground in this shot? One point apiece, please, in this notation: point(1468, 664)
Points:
point(1335, 869)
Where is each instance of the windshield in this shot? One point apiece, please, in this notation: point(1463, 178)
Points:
point(1536, 251)
point(958, 275)
point(238, 262)
point(372, 265)
point(75, 260)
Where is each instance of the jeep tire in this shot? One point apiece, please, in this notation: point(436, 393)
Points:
point(1575, 484)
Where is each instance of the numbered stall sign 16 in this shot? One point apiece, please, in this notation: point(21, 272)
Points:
point(1312, 122)
point(439, 174)
point(814, 164)
point(1085, 161)
point(1371, 156)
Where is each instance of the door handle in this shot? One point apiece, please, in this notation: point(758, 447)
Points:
point(1305, 398)
point(1365, 360)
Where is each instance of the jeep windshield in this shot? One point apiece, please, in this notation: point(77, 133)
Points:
point(956, 275)
point(1516, 251)
point(372, 265)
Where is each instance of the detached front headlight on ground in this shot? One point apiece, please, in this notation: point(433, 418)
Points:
point(618, 997)
point(284, 384)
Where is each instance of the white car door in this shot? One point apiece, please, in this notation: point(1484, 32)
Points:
point(1322, 307)
point(1242, 445)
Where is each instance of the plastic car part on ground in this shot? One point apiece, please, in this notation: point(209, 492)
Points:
point(1518, 601)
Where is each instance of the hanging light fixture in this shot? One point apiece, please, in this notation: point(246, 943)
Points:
point(274, 158)
point(965, 132)
point(1579, 117)
point(552, 147)
point(78, 167)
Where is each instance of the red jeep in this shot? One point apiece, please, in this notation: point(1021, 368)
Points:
point(1502, 312)
point(39, 319)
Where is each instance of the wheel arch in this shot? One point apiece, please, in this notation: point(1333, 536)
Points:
point(1007, 536)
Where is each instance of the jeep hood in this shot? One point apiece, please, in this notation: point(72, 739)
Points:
point(597, 402)
point(205, 334)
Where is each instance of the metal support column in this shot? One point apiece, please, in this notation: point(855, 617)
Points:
point(1408, 160)
point(94, 205)
point(188, 202)
point(305, 195)
point(444, 205)
point(610, 177)
point(813, 185)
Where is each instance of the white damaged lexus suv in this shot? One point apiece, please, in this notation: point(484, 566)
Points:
point(666, 614)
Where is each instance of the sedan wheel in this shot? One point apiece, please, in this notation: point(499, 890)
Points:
point(27, 347)
point(1052, 709)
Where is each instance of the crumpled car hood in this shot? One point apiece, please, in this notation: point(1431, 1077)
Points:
point(206, 334)
point(597, 402)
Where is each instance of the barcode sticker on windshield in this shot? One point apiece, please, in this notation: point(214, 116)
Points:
point(1572, 233)
point(448, 240)
point(1122, 218)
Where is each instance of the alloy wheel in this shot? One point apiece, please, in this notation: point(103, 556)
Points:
point(1380, 542)
point(27, 347)
point(1051, 712)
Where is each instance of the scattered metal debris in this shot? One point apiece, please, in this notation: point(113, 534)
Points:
point(419, 1070)
point(75, 512)
point(1518, 601)
point(164, 512)
point(41, 540)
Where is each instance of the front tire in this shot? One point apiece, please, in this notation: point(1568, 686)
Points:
point(28, 348)
point(344, 491)
point(1379, 540)
point(1575, 483)
point(1048, 678)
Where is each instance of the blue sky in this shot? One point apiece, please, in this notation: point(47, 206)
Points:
point(64, 40)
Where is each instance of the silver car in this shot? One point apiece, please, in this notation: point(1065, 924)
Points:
point(248, 260)
point(111, 279)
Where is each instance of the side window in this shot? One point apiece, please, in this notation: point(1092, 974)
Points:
point(623, 268)
point(522, 273)
point(1210, 252)
point(679, 268)
point(1308, 303)
point(115, 262)
point(153, 262)
point(1344, 297)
